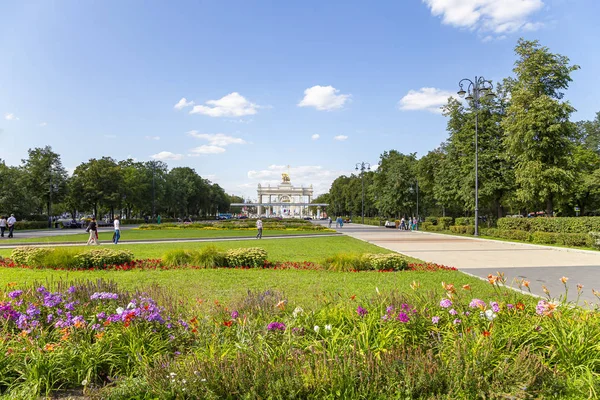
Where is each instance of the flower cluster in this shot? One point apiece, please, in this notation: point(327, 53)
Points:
point(276, 326)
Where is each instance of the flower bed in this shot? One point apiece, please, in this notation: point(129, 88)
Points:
point(103, 342)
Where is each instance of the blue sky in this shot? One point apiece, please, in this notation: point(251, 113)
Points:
point(237, 90)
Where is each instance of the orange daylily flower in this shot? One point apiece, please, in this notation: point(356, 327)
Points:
point(466, 287)
point(227, 323)
point(50, 346)
point(564, 279)
point(486, 333)
point(99, 336)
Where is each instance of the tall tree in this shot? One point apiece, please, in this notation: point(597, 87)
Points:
point(46, 178)
point(539, 134)
point(99, 182)
point(395, 184)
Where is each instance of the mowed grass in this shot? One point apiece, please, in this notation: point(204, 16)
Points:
point(292, 249)
point(135, 234)
point(302, 287)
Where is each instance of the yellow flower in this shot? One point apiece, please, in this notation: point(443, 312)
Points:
point(525, 283)
point(545, 289)
point(564, 279)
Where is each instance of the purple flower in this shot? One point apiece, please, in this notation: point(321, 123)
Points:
point(72, 289)
point(405, 306)
point(435, 320)
point(95, 327)
point(41, 289)
point(104, 296)
point(15, 293)
point(70, 306)
point(403, 317)
point(477, 303)
point(49, 318)
point(361, 311)
point(276, 326)
point(389, 309)
point(467, 313)
point(52, 299)
point(541, 307)
point(32, 310)
point(234, 314)
point(457, 321)
point(445, 303)
point(453, 312)
point(510, 306)
point(495, 306)
point(101, 315)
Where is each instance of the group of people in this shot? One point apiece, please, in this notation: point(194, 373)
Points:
point(408, 224)
point(7, 223)
point(92, 228)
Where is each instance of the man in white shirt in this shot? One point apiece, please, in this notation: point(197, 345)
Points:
point(11, 225)
point(259, 226)
point(2, 225)
point(117, 234)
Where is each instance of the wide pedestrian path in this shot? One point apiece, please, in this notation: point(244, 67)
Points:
point(541, 265)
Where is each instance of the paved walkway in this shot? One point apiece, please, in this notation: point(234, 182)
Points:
point(541, 265)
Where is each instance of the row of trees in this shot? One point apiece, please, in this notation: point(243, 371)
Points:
point(532, 157)
point(41, 186)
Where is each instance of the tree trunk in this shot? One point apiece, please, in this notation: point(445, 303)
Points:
point(549, 207)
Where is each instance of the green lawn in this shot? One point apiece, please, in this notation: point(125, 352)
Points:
point(293, 249)
point(135, 234)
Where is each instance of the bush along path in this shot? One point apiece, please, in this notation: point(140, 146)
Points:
point(99, 341)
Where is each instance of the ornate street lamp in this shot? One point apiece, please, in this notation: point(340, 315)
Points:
point(476, 90)
point(362, 166)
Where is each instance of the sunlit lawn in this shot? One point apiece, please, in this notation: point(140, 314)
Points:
point(135, 234)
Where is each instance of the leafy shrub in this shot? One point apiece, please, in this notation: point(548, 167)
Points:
point(509, 224)
point(209, 257)
point(463, 229)
point(445, 222)
point(31, 256)
point(346, 262)
point(464, 221)
point(177, 258)
point(514, 234)
point(431, 220)
point(544, 237)
point(22, 225)
point(99, 258)
point(427, 225)
point(554, 224)
point(386, 262)
point(594, 239)
point(574, 239)
point(248, 257)
point(60, 257)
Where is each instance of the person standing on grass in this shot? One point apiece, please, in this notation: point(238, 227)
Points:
point(259, 227)
point(11, 225)
point(117, 234)
point(2, 225)
point(93, 230)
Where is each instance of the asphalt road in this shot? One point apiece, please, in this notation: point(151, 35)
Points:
point(541, 265)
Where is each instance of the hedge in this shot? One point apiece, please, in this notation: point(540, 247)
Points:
point(248, 257)
point(464, 229)
point(565, 239)
point(444, 222)
point(465, 221)
point(64, 257)
point(555, 224)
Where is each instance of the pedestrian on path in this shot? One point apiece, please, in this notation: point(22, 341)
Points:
point(117, 234)
point(11, 225)
point(2, 225)
point(158, 219)
point(93, 230)
point(402, 224)
point(259, 227)
point(329, 223)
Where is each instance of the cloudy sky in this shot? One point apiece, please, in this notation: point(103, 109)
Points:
point(238, 90)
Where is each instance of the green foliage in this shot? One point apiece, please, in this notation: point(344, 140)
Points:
point(463, 229)
point(386, 262)
point(29, 255)
point(209, 257)
point(98, 258)
point(445, 222)
point(249, 257)
point(556, 225)
point(464, 221)
point(544, 237)
point(395, 184)
point(427, 226)
point(522, 224)
point(177, 258)
point(344, 262)
point(22, 225)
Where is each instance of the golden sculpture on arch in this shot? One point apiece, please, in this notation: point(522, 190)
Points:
point(285, 177)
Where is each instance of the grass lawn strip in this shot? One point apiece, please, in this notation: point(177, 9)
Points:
point(134, 234)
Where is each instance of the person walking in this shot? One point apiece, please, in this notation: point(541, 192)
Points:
point(93, 230)
point(11, 225)
point(328, 217)
point(158, 219)
point(259, 227)
point(117, 234)
point(2, 226)
point(402, 224)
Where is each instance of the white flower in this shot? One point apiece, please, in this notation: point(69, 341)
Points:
point(183, 381)
point(172, 374)
point(130, 305)
point(490, 315)
point(316, 328)
point(297, 311)
point(120, 310)
point(84, 383)
point(328, 327)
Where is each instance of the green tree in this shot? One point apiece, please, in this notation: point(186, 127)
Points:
point(395, 184)
point(14, 198)
point(539, 135)
point(46, 178)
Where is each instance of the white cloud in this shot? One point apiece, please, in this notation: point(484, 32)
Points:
point(323, 98)
point(152, 137)
point(207, 149)
point(167, 155)
point(217, 139)
point(497, 16)
point(43, 124)
point(231, 105)
point(316, 136)
point(183, 103)
point(10, 117)
point(429, 99)
point(340, 137)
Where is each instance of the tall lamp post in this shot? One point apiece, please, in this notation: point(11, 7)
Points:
point(362, 166)
point(476, 90)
